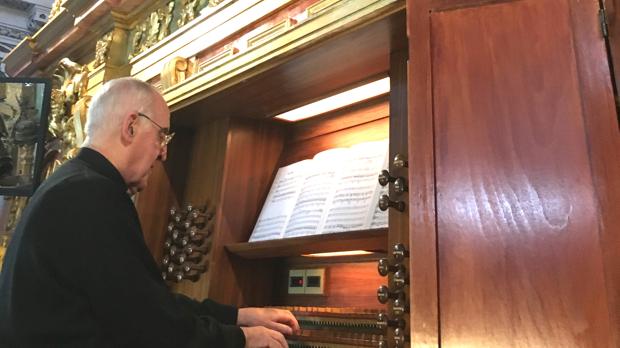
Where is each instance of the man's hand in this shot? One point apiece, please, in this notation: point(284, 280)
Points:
point(271, 318)
point(262, 337)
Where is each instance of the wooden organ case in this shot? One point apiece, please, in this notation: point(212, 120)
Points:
point(225, 155)
point(501, 113)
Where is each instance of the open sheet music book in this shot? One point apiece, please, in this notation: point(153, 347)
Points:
point(336, 191)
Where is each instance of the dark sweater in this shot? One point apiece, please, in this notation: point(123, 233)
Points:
point(77, 273)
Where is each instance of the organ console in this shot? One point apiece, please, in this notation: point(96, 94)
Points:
point(336, 327)
point(343, 307)
point(396, 271)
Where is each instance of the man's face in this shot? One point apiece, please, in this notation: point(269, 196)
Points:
point(150, 144)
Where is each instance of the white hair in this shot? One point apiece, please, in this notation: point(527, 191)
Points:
point(112, 102)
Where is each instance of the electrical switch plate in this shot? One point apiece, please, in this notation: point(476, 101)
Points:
point(315, 281)
point(296, 281)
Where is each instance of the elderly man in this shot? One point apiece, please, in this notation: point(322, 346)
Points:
point(77, 272)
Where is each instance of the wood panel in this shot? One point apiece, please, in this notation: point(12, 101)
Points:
point(399, 221)
point(351, 284)
point(603, 136)
point(424, 318)
point(203, 184)
point(164, 190)
point(252, 152)
point(363, 112)
point(369, 131)
point(520, 260)
point(613, 17)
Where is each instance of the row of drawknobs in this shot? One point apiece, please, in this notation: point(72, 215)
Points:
point(187, 244)
point(396, 271)
point(397, 294)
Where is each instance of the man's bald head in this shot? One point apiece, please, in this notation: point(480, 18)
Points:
point(113, 101)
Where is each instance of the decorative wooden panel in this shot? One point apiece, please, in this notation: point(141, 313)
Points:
point(520, 259)
point(253, 148)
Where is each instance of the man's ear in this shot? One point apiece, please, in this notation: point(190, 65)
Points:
point(128, 128)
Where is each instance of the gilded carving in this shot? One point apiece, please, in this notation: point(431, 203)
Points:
point(17, 205)
point(102, 48)
point(55, 8)
point(68, 104)
point(213, 3)
point(165, 15)
point(188, 12)
point(138, 40)
point(153, 29)
point(177, 70)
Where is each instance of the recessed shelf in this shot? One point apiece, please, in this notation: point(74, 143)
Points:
point(371, 240)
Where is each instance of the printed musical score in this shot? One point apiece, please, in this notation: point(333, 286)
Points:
point(336, 191)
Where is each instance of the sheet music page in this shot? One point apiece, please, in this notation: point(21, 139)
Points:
point(351, 204)
point(280, 201)
point(316, 190)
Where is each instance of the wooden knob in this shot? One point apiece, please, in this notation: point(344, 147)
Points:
point(385, 268)
point(384, 321)
point(399, 307)
point(385, 178)
point(400, 252)
point(384, 294)
point(400, 279)
point(385, 203)
point(400, 185)
point(400, 161)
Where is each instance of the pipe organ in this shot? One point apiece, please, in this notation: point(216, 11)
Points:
point(233, 162)
point(474, 185)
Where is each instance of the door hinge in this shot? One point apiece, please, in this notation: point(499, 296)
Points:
point(602, 18)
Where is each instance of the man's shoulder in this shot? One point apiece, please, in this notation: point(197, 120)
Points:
point(76, 179)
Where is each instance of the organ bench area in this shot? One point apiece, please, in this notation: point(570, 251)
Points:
point(221, 167)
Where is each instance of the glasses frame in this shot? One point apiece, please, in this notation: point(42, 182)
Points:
point(164, 132)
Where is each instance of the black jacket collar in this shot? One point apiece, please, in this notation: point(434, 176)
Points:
point(101, 165)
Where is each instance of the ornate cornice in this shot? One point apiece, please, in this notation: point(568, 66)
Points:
point(66, 31)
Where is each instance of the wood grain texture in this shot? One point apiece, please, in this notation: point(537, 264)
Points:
point(603, 136)
point(369, 131)
point(520, 260)
point(253, 148)
point(613, 17)
point(424, 320)
point(351, 116)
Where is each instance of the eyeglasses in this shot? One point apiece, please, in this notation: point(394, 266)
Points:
point(164, 133)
